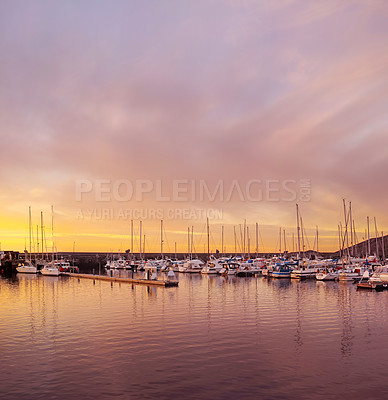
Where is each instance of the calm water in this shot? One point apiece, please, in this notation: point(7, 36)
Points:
point(210, 338)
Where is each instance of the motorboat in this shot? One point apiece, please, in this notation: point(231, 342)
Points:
point(50, 269)
point(327, 275)
point(159, 264)
point(380, 275)
point(212, 267)
point(282, 270)
point(308, 269)
point(229, 268)
point(65, 266)
point(193, 266)
point(120, 263)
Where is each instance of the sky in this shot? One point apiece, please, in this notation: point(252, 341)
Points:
point(122, 95)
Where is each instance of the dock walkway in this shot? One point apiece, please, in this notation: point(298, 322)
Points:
point(149, 282)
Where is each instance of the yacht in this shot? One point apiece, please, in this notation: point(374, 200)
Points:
point(193, 266)
point(120, 263)
point(50, 269)
point(327, 275)
point(65, 266)
point(380, 275)
point(176, 264)
point(159, 264)
point(212, 267)
point(268, 269)
point(26, 268)
point(282, 270)
point(307, 270)
point(229, 268)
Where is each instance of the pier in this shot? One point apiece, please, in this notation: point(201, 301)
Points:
point(149, 282)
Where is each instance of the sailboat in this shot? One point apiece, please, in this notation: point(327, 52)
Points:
point(27, 267)
point(51, 268)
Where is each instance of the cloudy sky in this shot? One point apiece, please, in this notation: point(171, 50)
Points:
point(209, 90)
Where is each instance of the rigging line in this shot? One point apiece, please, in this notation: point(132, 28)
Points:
point(165, 239)
point(262, 242)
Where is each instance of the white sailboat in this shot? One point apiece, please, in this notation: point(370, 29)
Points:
point(50, 268)
point(27, 267)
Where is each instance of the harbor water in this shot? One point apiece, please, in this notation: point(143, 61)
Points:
point(210, 338)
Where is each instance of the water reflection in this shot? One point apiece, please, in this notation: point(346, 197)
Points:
point(345, 309)
point(212, 337)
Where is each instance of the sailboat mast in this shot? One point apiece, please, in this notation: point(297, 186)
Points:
point(188, 242)
point(222, 240)
point(192, 242)
point(377, 243)
point(37, 241)
point(132, 238)
point(235, 241)
point(298, 229)
point(41, 228)
point(144, 246)
point(317, 240)
point(257, 240)
point(356, 244)
point(302, 229)
point(244, 245)
point(280, 240)
point(284, 237)
point(52, 232)
point(339, 241)
point(208, 239)
point(241, 240)
point(140, 237)
point(29, 228)
point(161, 238)
point(367, 223)
point(382, 246)
point(346, 215)
point(351, 228)
point(249, 243)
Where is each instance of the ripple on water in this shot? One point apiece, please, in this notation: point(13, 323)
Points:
point(209, 338)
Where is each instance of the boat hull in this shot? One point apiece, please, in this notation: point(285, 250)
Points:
point(276, 274)
point(26, 270)
point(50, 272)
point(326, 277)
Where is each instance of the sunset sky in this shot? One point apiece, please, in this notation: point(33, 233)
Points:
point(211, 91)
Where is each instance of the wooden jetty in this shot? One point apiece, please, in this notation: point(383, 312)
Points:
point(149, 282)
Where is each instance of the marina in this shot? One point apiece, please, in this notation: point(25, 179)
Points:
point(194, 200)
point(213, 336)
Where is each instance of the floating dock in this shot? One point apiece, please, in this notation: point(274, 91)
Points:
point(149, 282)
